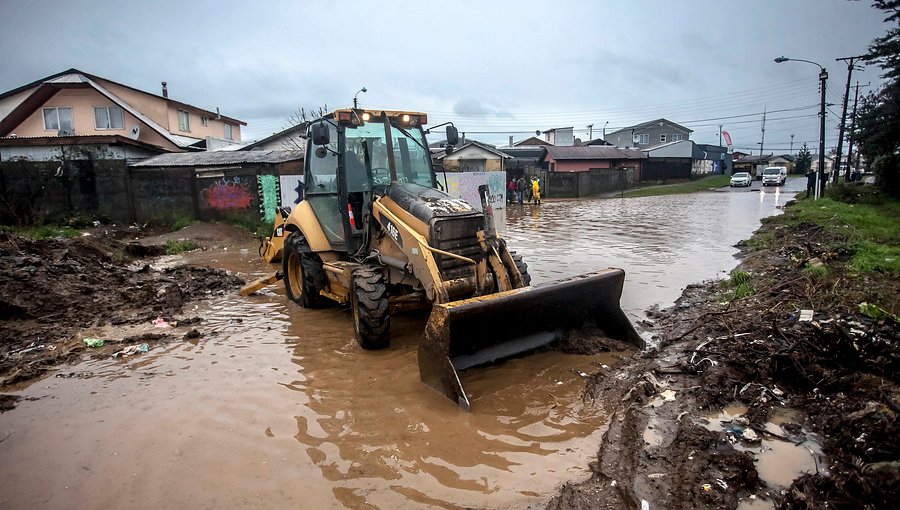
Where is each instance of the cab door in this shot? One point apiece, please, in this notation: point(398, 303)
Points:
point(323, 188)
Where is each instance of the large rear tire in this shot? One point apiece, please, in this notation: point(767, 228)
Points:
point(369, 303)
point(522, 267)
point(303, 273)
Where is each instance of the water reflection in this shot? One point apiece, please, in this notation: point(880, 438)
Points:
point(375, 431)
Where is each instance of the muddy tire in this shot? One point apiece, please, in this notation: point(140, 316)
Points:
point(303, 273)
point(369, 304)
point(522, 267)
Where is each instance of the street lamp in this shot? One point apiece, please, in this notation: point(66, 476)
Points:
point(823, 76)
point(357, 93)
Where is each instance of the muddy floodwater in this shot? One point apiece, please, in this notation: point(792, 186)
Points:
point(276, 406)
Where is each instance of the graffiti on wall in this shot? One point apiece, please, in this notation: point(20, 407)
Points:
point(464, 185)
point(227, 193)
point(291, 189)
point(269, 196)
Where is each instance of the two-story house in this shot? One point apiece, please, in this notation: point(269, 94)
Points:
point(77, 104)
point(649, 134)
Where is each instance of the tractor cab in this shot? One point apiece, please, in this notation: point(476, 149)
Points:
point(354, 154)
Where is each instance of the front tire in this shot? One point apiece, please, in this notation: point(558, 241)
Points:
point(522, 267)
point(369, 304)
point(303, 273)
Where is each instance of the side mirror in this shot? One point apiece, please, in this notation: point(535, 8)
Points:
point(452, 135)
point(448, 150)
point(321, 152)
point(320, 134)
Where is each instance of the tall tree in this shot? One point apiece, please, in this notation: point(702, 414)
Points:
point(804, 160)
point(878, 129)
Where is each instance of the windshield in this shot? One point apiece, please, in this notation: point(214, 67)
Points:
point(741, 174)
point(772, 171)
point(367, 143)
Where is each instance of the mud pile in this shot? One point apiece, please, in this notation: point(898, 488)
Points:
point(52, 289)
point(800, 339)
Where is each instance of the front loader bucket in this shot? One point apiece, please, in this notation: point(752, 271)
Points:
point(480, 330)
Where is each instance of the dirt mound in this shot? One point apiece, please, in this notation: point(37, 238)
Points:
point(49, 290)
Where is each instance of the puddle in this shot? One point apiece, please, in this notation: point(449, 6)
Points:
point(778, 462)
point(277, 406)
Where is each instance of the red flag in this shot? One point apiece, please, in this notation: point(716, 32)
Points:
point(727, 138)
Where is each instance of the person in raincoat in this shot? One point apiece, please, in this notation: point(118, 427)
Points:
point(535, 190)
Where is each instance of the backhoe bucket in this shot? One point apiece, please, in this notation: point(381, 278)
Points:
point(471, 332)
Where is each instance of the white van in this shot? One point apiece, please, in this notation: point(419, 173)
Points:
point(774, 175)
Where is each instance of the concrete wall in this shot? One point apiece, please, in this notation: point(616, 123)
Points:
point(96, 184)
point(52, 191)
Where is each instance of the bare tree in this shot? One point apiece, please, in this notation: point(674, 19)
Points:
point(300, 119)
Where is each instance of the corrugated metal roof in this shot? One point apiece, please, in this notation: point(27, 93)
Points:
point(593, 152)
point(219, 158)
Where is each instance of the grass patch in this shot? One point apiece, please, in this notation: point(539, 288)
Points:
point(739, 285)
point(702, 184)
point(816, 271)
point(174, 247)
point(871, 227)
point(259, 228)
point(873, 257)
point(181, 222)
point(43, 232)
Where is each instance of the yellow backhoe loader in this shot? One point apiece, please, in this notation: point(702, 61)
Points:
point(376, 231)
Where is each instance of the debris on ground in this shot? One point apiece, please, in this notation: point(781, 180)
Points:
point(51, 290)
point(132, 350)
point(807, 341)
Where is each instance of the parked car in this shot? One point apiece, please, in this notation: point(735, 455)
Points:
point(741, 179)
point(775, 175)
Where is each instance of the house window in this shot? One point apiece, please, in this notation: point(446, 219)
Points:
point(204, 120)
point(228, 133)
point(58, 118)
point(109, 117)
point(677, 137)
point(662, 138)
point(184, 121)
point(644, 139)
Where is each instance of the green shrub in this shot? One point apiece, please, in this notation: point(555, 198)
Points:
point(174, 247)
point(181, 221)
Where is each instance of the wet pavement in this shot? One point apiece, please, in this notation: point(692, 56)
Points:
point(276, 406)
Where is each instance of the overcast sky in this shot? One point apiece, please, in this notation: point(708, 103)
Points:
point(494, 68)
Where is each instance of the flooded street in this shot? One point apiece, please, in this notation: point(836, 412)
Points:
point(277, 406)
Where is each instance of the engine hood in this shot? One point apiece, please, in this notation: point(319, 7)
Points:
point(427, 203)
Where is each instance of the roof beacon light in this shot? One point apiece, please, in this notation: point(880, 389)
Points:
point(405, 118)
point(365, 116)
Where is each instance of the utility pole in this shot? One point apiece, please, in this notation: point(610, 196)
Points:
point(820, 175)
point(604, 130)
point(590, 132)
point(852, 130)
point(720, 135)
point(836, 171)
point(763, 141)
point(792, 145)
